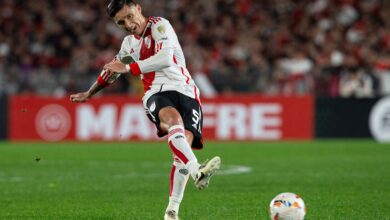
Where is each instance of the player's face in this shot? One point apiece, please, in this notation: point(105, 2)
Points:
point(130, 19)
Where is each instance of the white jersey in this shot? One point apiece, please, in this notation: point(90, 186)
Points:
point(159, 60)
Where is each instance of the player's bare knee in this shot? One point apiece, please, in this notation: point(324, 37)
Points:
point(169, 117)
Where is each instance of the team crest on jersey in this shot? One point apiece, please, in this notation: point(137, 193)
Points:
point(148, 41)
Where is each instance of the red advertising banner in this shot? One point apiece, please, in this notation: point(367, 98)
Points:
point(113, 118)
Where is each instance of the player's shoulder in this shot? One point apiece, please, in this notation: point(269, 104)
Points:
point(131, 39)
point(160, 25)
point(156, 20)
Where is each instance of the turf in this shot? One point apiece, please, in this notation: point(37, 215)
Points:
point(338, 179)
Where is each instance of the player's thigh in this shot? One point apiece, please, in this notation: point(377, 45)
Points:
point(162, 110)
point(178, 108)
point(155, 104)
point(170, 116)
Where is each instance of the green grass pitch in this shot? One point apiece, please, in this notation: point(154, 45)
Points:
point(338, 179)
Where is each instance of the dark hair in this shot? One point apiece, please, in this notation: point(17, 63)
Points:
point(116, 5)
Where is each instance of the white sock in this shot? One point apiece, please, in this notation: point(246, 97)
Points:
point(178, 181)
point(181, 149)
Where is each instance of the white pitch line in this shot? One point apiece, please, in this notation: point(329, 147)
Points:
point(226, 170)
point(234, 169)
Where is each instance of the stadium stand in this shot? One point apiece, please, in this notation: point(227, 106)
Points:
point(287, 47)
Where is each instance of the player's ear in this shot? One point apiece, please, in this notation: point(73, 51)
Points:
point(139, 8)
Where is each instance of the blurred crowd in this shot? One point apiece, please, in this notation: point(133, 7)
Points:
point(284, 47)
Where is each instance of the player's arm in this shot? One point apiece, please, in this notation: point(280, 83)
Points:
point(84, 96)
point(103, 80)
point(164, 36)
point(106, 77)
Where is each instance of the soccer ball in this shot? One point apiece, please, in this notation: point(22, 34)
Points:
point(287, 206)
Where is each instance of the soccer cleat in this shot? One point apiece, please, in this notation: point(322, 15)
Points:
point(171, 215)
point(206, 171)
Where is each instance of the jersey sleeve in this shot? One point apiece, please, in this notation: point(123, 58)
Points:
point(106, 78)
point(165, 38)
point(163, 34)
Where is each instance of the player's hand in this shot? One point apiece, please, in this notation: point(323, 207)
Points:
point(80, 97)
point(116, 67)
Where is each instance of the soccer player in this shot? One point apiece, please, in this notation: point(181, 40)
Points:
point(152, 51)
